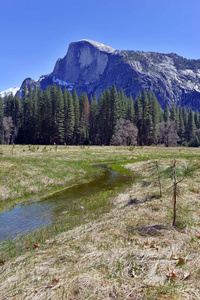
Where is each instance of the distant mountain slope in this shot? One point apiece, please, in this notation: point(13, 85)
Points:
point(91, 66)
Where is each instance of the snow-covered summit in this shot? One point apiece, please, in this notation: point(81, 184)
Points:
point(9, 91)
point(101, 46)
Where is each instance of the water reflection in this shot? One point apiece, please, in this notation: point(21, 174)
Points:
point(23, 218)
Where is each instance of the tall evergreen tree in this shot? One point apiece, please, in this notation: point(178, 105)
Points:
point(1, 119)
point(174, 115)
point(138, 116)
point(155, 111)
point(197, 119)
point(69, 116)
point(190, 131)
point(93, 119)
point(24, 99)
point(115, 114)
point(36, 117)
point(166, 113)
point(17, 112)
point(181, 130)
point(8, 105)
point(145, 118)
point(46, 116)
point(84, 118)
point(104, 118)
point(130, 112)
point(122, 103)
point(58, 114)
point(28, 117)
point(184, 114)
point(76, 106)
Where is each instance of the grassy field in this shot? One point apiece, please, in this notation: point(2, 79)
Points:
point(121, 244)
point(33, 172)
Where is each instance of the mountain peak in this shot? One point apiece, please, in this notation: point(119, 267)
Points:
point(85, 60)
point(100, 46)
point(90, 67)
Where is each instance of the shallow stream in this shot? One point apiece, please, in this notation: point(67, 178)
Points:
point(30, 216)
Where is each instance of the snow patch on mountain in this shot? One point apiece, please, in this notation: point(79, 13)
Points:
point(9, 91)
point(62, 83)
point(100, 46)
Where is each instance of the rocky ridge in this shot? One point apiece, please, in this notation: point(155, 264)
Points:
point(91, 66)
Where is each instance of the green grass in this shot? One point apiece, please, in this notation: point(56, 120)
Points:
point(53, 170)
point(88, 209)
point(32, 171)
point(97, 248)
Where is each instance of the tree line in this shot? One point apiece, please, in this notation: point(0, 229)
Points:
point(57, 116)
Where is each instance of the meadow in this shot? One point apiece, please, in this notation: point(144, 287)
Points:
point(117, 244)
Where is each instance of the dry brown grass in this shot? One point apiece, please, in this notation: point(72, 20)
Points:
point(132, 252)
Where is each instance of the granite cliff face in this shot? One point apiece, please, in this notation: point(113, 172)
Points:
point(85, 60)
point(91, 66)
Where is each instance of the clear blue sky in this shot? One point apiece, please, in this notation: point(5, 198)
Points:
point(35, 33)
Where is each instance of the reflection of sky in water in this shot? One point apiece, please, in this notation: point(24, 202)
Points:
point(23, 218)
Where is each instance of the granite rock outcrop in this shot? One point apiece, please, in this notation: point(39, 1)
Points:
point(91, 66)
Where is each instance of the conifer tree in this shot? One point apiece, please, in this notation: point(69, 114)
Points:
point(130, 112)
point(84, 118)
point(24, 99)
point(8, 105)
point(1, 119)
point(17, 111)
point(184, 114)
point(58, 114)
point(138, 116)
point(107, 116)
point(174, 115)
point(155, 111)
point(46, 116)
point(35, 117)
point(145, 118)
point(122, 103)
point(181, 130)
point(53, 105)
point(69, 116)
point(115, 114)
point(194, 142)
point(104, 118)
point(137, 109)
point(166, 113)
point(28, 120)
point(76, 117)
point(197, 119)
point(190, 131)
point(161, 117)
point(93, 119)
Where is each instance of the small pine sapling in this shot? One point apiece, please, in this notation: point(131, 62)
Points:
point(178, 174)
point(155, 171)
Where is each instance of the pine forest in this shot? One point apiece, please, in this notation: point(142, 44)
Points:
point(57, 116)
